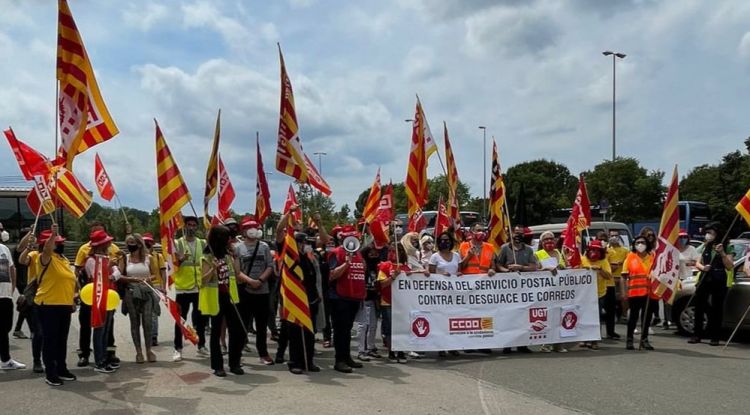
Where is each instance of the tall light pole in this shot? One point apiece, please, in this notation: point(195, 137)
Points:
point(615, 55)
point(320, 155)
point(484, 164)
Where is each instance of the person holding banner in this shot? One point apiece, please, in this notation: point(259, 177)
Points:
point(100, 242)
point(716, 266)
point(428, 248)
point(636, 270)
point(550, 259)
point(413, 253)
point(596, 260)
point(388, 271)
point(476, 254)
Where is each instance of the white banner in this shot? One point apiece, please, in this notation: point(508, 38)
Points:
point(506, 310)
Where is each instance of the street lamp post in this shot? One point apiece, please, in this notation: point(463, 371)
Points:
point(615, 55)
point(320, 155)
point(484, 164)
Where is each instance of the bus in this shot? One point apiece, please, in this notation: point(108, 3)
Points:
point(694, 216)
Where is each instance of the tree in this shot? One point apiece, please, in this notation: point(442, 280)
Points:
point(437, 188)
point(539, 188)
point(633, 193)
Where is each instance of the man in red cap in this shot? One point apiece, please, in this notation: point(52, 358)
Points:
point(159, 284)
point(257, 263)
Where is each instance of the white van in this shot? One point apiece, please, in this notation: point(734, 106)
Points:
point(596, 227)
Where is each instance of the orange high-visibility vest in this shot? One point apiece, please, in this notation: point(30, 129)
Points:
point(479, 265)
point(638, 275)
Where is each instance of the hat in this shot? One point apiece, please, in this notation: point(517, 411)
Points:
point(348, 230)
point(595, 244)
point(148, 237)
point(546, 234)
point(426, 239)
point(527, 231)
point(249, 223)
point(187, 219)
point(683, 232)
point(99, 238)
point(45, 235)
point(230, 221)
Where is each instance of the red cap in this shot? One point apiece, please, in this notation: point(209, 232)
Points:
point(99, 238)
point(527, 231)
point(683, 232)
point(148, 237)
point(595, 244)
point(45, 235)
point(249, 223)
point(348, 230)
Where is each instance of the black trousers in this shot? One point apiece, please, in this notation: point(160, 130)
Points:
point(84, 333)
point(36, 330)
point(254, 307)
point(343, 314)
point(55, 321)
point(638, 310)
point(185, 300)
point(237, 336)
point(302, 343)
point(717, 290)
point(23, 315)
point(608, 305)
point(6, 323)
point(327, 328)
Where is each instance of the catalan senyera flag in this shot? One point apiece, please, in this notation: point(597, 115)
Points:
point(173, 193)
point(101, 178)
point(291, 199)
point(226, 192)
point(665, 270)
point(743, 207)
point(188, 332)
point(452, 173)
point(83, 115)
point(580, 219)
point(372, 204)
point(69, 193)
point(262, 195)
point(290, 157)
point(31, 162)
point(295, 306)
point(498, 224)
point(416, 172)
point(212, 172)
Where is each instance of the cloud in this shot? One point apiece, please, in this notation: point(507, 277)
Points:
point(511, 31)
point(145, 18)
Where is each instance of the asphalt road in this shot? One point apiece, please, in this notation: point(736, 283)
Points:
point(677, 378)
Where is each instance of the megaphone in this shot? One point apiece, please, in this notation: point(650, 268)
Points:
point(351, 244)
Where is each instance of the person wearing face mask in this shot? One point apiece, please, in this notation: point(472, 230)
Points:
point(596, 260)
point(411, 244)
point(549, 257)
point(388, 271)
point(256, 262)
point(716, 266)
point(477, 255)
point(55, 301)
point(428, 248)
point(187, 280)
point(159, 283)
point(367, 317)
point(7, 285)
point(616, 254)
point(650, 235)
point(30, 258)
point(636, 270)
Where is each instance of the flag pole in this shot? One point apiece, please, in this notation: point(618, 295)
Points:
point(117, 197)
point(510, 233)
point(36, 220)
point(737, 327)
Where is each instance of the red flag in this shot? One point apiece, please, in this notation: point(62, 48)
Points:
point(101, 289)
point(103, 184)
point(174, 310)
point(452, 173)
point(291, 199)
point(30, 161)
point(416, 171)
point(443, 221)
point(226, 192)
point(580, 219)
point(385, 210)
point(262, 195)
point(39, 198)
point(665, 269)
point(417, 221)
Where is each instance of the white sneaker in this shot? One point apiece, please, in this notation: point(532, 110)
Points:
point(202, 351)
point(414, 355)
point(12, 365)
point(177, 356)
point(650, 330)
point(637, 331)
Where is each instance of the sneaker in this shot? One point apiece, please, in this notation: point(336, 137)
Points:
point(38, 367)
point(401, 358)
point(363, 357)
point(53, 381)
point(629, 344)
point(545, 349)
point(67, 376)
point(237, 371)
point(313, 368)
point(83, 361)
point(637, 331)
point(297, 371)
point(113, 365)
point(266, 360)
point(414, 355)
point(220, 373)
point(560, 349)
point(279, 359)
point(20, 334)
point(342, 367)
point(12, 365)
point(202, 351)
point(104, 369)
point(177, 356)
point(374, 354)
point(646, 345)
point(392, 357)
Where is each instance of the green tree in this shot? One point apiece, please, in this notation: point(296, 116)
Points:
point(539, 188)
point(633, 193)
point(437, 187)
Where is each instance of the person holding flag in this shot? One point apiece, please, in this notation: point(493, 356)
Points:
point(7, 284)
point(636, 270)
point(100, 242)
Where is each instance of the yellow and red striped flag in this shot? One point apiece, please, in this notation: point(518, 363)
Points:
point(295, 306)
point(212, 173)
point(372, 204)
point(743, 207)
point(416, 172)
point(83, 115)
point(262, 195)
point(69, 193)
point(665, 272)
point(498, 225)
point(453, 206)
point(173, 193)
point(290, 157)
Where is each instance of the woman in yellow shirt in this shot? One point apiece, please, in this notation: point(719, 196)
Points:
point(596, 259)
point(54, 297)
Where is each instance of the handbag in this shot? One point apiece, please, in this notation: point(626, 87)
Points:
point(26, 300)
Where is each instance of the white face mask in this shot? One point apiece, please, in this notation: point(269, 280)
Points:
point(308, 249)
point(641, 248)
point(254, 233)
point(4, 236)
point(709, 237)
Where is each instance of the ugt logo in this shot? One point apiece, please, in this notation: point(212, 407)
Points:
point(538, 318)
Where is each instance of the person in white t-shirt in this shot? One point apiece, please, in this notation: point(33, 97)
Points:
point(7, 282)
point(445, 261)
point(688, 255)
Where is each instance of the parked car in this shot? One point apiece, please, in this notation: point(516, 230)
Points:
point(558, 228)
point(737, 301)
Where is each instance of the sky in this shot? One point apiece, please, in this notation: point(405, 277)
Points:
point(531, 71)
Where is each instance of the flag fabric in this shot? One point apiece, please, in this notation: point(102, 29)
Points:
point(262, 195)
point(665, 271)
point(430, 147)
point(31, 162)
point(417, 222)
point(39, 198)
point(226, 192)
point(173, 193)
point(188, 332)
point(442, 221)
point(372, 204)
point(212, 172)
point(379, 228)
point(101, 288)
point(743, 207)
point(452, 173)
point(291, 199)
point(83, 115)
point(103, 184)
point(416, 172)
point(69, 193)
point(290, 157)
point(295, 306)
point(580, 219)
point(167, 236)
point(498, 213)
point(385, 209)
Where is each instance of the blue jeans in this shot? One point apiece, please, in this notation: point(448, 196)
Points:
point(101, 337)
